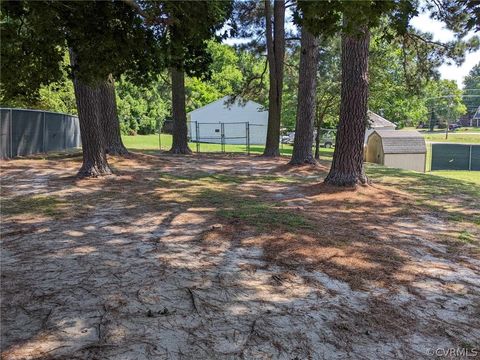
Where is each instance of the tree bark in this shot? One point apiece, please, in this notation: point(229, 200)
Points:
point(109, 119)
point(347, 164)
point(179, 114)
point(93, 145)
point(275, 35)
point(306, 104)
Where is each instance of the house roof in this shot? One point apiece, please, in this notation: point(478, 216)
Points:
point(477, 114)
point(224, 100)
point(376, 121)
point(401, 142)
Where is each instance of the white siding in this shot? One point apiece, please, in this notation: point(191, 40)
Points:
point(415, 162)
point(234, 118)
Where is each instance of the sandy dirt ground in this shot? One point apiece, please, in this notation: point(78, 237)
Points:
point(226, 257)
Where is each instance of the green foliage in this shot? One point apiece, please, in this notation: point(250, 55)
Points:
point(328, 83)
point(389, 92)
point(290, 88)
point(107, 38)
point(189, 25)
point(224, 72)
point(404, 83)
point(141, 109)
point(471, 84)
point(27, 62)
point(57, 96)
point(444, 98)
point(328, 18)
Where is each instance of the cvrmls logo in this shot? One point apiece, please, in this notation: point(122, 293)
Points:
point(453, 352)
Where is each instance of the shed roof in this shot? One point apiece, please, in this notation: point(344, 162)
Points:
point(376, 121)
point(477, 114)
point(239, 102)
point(401, 142)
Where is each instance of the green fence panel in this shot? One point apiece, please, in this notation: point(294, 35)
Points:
point(475, 157)
point(5, 134)
point(450, 157)
point(25, 132)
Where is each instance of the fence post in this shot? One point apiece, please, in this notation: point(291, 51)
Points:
point(10, 133)
point(197, 130)
point(64, 133)
point(222, 137)
point(470, 159)
point(247, 139)
point(43, 134)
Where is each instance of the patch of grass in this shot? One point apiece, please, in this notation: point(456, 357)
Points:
point(466, 237)
point(279, 179)
point(446, 196)
point(426, 184)
point(453, 137)
point(456, 217)
point(253, 212)
point(151, 142)
point(470, 176)
point(45, 205)
point(220, 178)
point(265, 216)
point(462, 135)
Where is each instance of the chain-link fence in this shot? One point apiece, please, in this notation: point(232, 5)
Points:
point(234, 133)
point(455, 157)
point(220, 136)
point(25, 132)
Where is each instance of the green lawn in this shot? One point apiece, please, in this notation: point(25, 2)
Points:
point(470, 176)
point(152, 142)
point(453, 137)
point(442, 131)
point(463, 135)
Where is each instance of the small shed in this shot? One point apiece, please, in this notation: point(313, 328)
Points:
point(377, 122)
point(398, 149)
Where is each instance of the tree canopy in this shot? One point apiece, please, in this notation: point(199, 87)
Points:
point(403, 68)
point(471, 92)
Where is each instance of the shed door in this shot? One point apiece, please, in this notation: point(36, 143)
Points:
point(374, 150)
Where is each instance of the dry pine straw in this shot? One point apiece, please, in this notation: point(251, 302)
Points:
point(214, 257)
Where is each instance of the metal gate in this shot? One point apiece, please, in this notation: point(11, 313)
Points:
point(455, 156)
point(234, 133)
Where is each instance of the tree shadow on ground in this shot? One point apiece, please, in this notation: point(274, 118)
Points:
point(163, 261)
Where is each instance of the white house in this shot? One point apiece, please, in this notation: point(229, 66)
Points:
point(376, 122)
point(208, 123)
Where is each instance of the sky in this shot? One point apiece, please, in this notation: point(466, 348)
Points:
point(440, 33)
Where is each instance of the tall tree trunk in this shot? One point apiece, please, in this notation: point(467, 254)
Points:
point(93, 145)
point(275, 34)
point(180, 131)
point(306, 104)
point(347, 164)
point(109, 118)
